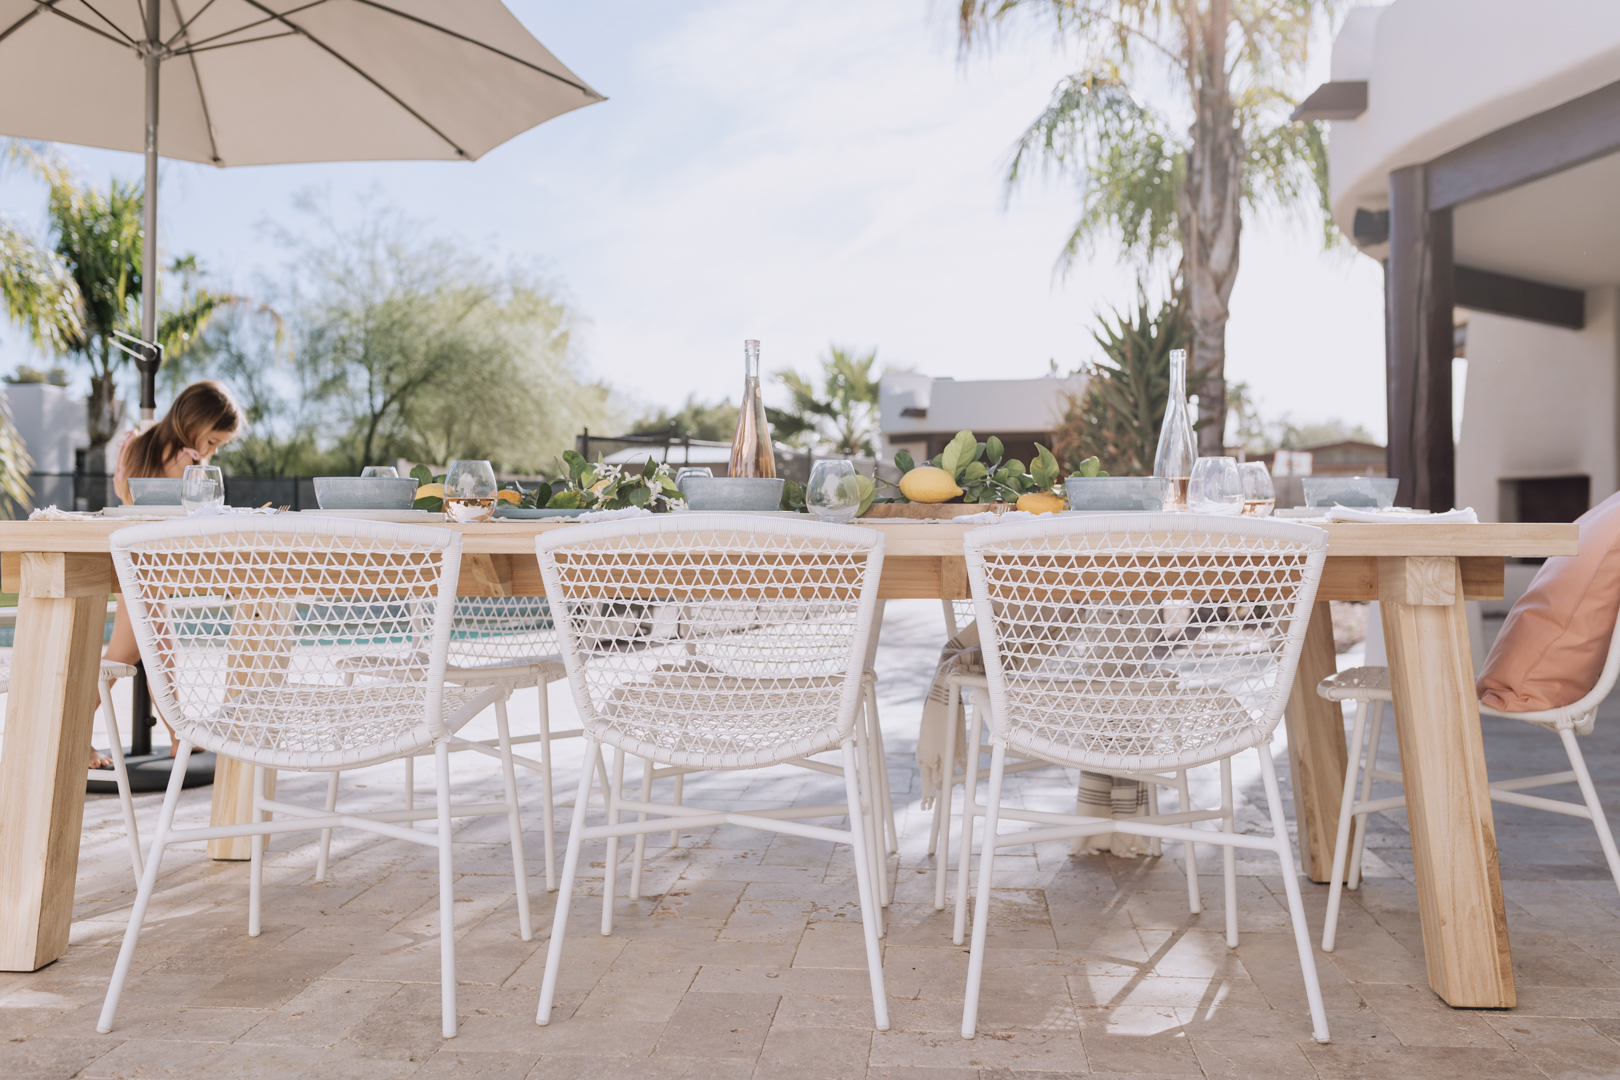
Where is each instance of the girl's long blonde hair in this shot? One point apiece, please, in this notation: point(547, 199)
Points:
point(201, 408)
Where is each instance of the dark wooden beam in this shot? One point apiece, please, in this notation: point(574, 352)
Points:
point(1548, 142)
point(1519, 298)
point(1334, 101)
point(1419, 298)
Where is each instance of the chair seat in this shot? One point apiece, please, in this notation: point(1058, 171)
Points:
point(723, 722)
point(1367, 684)
point(326, 728)
point(519, 674)
point(110, 670)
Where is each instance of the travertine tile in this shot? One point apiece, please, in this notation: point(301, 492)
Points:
point(718, 1025)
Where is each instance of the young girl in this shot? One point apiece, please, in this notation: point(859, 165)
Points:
point(200, 421)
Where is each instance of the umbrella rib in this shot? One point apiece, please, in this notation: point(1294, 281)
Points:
point(18, 25)
point(50, 6)
point(346, 62)
point(202, 96)
point(193, 50)
point(581, 87)
point(245, 26)
point(108, 21)
point(185, 24)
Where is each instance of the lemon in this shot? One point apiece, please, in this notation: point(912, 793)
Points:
point(509, 496)
point(927, 484)
point(430, 491)
point(1041, 502)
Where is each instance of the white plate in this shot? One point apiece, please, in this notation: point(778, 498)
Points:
point(153, 510)
point(405, 517)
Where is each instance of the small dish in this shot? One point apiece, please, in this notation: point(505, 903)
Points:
point(365, 492)
point(513, 513)
point(1374, 492)
point(155, 490)
point(1117, 494)
point(721, 493)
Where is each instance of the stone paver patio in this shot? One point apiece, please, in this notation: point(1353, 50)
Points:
point(744, 957)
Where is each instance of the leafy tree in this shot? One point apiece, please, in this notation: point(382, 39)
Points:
point(1231, 65)
point(1117, 417)
point(841, 414)
point(695, 420)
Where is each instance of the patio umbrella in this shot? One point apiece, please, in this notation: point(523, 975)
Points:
point(259, 82)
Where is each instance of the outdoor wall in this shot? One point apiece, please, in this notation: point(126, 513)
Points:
point(1540, 401)
point(1441, 73)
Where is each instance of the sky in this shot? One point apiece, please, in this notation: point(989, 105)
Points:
point(803, 174)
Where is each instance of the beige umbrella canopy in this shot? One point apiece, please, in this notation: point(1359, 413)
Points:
point(259, 82)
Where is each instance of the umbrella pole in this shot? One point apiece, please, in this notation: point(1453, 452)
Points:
point(148, 364)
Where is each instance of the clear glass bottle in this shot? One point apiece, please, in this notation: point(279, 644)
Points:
point(751, 451)
point(1178, 446)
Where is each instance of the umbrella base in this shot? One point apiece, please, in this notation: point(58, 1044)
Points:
point(150, 772)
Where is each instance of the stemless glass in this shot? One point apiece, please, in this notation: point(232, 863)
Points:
point(833, 493)
point(1259, 497)
point(469, 491)
point(387, 472)
point(200, 486)
point(1215, 487)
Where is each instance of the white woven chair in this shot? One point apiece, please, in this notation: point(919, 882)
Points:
point(245, 626)
point(756, 659)
point(110, 673)
point(1369, 688)
point(1141, 643)
point(494, 641)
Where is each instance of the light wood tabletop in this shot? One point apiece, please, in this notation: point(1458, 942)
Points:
point(1422, 574)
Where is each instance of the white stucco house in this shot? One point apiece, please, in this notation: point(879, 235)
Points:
point(1473, 152)
point(52, 422)
point(920, 413)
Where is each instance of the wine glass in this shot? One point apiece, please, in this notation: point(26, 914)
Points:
point(1215, 487)
point(469, 491)
point(833, 493)
point(387, 472)
point(200, 486)
point(1259, 497)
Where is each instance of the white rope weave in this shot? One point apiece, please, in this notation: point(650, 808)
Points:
point(1141, 642)
point(714, 641)
point(297, 642)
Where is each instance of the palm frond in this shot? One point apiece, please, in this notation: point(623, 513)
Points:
point(37, 291)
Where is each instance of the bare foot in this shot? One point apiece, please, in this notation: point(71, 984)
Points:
point(98, 760)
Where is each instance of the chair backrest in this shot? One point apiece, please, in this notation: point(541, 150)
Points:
point(1141, 640)
point(293, 641)
point(499, 631)
point(717, 639)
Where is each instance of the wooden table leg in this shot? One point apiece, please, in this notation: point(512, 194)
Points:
point(1316, 749)
point(61, 618)
point(1448, 804)
point(259, 656)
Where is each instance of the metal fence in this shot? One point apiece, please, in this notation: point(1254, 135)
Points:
point(84, 491)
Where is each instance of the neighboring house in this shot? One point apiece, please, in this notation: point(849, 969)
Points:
point(51, 420)
point(920, 414)
point(1473, 151)
point(1348, 458)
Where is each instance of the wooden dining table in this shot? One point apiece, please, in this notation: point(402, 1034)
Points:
point(1421, 574)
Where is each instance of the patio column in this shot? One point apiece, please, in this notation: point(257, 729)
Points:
point(1418, 321)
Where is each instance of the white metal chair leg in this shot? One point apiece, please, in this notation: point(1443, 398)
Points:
point(1358, 838)
point(640, 854)
point(970, 807)
point(514, 820)
point(1341, 841)
point(877, 860)
point(981, 907)
point(610, 870)
point(447, 895)
point(548, 813)
point(326, 834)
point(939, 843)
point(1155, 844)
point(1577, 762)
point(1296, 906)
point(1195, 903)
point(256, 863)
point(565, 888)
point(1229, 853)
point(871, 911)
point(143, 895)
point(115, 744)
point(880, 762)
point(680, 790)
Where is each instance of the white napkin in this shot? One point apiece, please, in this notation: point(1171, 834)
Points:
point(1465, 516)
point(230, 511)
point(991, 516)
point(614, 515)
point(51, 513)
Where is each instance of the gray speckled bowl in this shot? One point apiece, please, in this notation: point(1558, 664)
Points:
point(714, 493)
point(155, 491)
point(365, 492)
point(1117, 494)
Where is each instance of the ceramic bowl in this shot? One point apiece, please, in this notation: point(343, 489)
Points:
point(711, 493)
point(1117, 494)
point(1371, 492)
point(155, 491)
point(365, 492)
point(514, 513)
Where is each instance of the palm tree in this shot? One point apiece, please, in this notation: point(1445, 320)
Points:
point(1232, 64)
point(846, 403)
